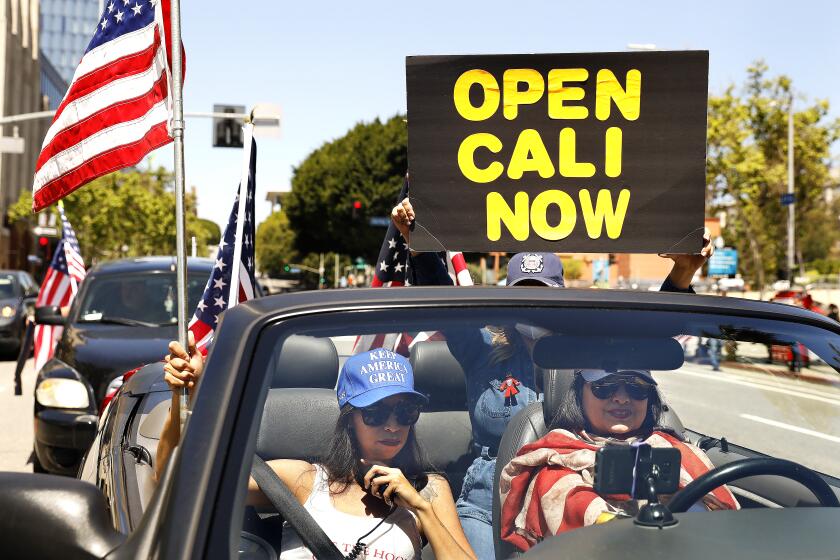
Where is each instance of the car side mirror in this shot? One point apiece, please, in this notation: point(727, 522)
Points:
point(49, 315)
point(54, 517)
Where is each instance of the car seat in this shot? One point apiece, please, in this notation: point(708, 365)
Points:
point(530, 424)
point(444, 430)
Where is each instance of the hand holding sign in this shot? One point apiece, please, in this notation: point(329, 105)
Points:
point(403, 216)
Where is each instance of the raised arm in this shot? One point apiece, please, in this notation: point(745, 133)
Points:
point(181, 370)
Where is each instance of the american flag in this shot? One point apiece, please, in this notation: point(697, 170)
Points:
point(118, 106)
point(65, 274)
point(216, 296)
point(392, 271)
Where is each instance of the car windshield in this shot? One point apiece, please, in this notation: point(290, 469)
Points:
point(8, 286)
point(137, 299)
point(769, 386)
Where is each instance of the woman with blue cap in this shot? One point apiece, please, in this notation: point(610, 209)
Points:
point(371, 492)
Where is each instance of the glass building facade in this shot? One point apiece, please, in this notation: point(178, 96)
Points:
point(66, 29)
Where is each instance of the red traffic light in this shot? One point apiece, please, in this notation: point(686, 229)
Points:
point(357, 204)
point(43, 241)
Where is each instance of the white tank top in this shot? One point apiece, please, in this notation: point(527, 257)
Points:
point(396, 539)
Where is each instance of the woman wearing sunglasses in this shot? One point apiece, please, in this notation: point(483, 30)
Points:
point(547, 488)
point(372, 491)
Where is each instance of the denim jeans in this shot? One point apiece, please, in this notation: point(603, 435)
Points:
point(475, 505)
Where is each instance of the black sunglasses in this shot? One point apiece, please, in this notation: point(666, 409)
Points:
point(406, 412)
point(636, 388)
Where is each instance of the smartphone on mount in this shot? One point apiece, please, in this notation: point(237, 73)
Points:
point(625, 469)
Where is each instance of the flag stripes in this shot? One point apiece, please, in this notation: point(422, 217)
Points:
point(118, 106)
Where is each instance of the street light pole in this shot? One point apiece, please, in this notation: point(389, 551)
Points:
point(791, 214)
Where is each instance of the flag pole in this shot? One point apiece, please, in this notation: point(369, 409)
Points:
point(233, 298)
point(180, 214)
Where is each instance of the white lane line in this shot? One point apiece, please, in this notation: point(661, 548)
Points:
point(724, 379)
point(790, 427)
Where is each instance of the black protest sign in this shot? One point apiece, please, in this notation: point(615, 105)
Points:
point(599, 152)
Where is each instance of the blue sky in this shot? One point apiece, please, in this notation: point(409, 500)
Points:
point(331, 64)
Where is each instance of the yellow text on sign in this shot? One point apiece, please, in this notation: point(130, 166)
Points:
point(526, 86)
point(530, 155)
point(527, 215)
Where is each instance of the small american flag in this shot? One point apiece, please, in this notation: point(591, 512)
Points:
point(392, 271)
point(64, 275)
point(216, 296)
point(118, 106)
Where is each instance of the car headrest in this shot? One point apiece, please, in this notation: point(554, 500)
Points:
point(556, 382)
point(297, 423)
point(306, 361)
point(439, 375)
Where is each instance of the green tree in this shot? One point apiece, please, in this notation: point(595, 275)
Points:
point(747, 172)
point(368, 165)
point(125, 214)
point(275, 244)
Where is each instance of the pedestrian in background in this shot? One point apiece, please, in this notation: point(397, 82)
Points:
point(833, 312)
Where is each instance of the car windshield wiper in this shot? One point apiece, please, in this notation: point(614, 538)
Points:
point(123, 321)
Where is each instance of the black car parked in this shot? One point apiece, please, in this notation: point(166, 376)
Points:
point(123, 317)
point(268, 390)
point(17, 300)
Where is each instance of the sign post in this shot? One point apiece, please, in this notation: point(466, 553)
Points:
point(592, 152)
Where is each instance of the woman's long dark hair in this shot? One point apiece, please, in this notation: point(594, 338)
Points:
point(342, 458)
point(570, 415)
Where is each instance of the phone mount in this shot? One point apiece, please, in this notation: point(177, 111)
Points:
point(646, 482)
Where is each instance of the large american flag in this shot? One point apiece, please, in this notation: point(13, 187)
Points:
point(118, 106)
point(216, 296)
point(64, 275)
point(392, 271)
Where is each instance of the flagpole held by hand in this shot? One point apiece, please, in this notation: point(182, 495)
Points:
point(180, 215)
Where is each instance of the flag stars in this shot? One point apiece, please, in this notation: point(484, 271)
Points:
point(119, 17)
point(392, 243)
point(104, 24)
point(137, 9)
point(398, 267)
point(219, 302)
point(111, 8)
point(219, 283)
point(383, 267)
point(202, 306)
point(220, 264)
point(126, 2)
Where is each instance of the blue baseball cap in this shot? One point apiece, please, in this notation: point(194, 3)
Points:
point(374, 375)
point(545, 268)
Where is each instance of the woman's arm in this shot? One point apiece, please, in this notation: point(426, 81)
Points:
point(434, 507)
point(180, 370)
point(440, 524)
point(299, 477)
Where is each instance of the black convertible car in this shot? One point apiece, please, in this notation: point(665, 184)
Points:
point(123, 317)
point(268, 385)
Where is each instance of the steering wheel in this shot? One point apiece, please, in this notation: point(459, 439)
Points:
point(743, 468)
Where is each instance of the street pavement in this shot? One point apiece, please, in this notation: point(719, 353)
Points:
point(16, 418)
point(785, 417)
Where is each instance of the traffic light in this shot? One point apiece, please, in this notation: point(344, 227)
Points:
point(43, 241)
point(227, 133)
point(357, 207)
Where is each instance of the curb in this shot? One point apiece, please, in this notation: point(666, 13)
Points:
point(784, 372)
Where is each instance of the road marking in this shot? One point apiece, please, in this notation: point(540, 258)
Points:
point(790, 392)
point(790, 427)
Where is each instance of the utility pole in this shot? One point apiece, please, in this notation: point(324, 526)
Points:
point(791, 215)
point(335, 284)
